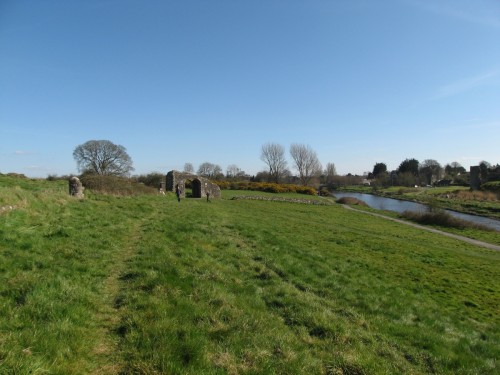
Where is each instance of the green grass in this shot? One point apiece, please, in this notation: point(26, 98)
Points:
point(115, 285)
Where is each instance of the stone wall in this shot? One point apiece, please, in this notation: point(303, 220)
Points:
point(287, 200)
point(200, 185)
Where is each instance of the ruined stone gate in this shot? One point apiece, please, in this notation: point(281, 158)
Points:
point(199, 185)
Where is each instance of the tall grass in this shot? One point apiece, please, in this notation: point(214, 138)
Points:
point(351, 201)
point(145, 284)
point(443, 219)
point(478, 195)
point(267, 187)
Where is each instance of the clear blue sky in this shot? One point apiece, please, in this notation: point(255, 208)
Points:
point(360, 81)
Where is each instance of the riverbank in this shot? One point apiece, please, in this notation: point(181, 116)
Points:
point(394, 208)
point(459, 237)
point(454, 198)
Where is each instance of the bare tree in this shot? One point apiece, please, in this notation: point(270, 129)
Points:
point(232, 171)
point(188, 168)
point(273, 155)
point(210, 170)
point(329, 172)
point(217, 172)
point(103, 157)
point(205, 169)
point(330, 169)
point(306, 162)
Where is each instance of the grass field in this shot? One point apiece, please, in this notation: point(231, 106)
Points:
point(147, 285)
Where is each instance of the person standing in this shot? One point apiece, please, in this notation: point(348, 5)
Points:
point(178, 192)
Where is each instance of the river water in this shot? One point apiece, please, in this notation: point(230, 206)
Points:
point(396, 205)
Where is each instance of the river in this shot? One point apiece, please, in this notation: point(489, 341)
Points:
point(396, 205)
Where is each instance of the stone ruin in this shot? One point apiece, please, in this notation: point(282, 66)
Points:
point(200, 185)
point(75, 187)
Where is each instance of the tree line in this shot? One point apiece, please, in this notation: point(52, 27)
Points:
point(429, 172)
point(102, 157)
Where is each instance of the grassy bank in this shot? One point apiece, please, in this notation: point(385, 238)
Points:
point(454, 198)
point(145, 284)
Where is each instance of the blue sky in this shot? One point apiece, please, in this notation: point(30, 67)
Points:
point(360, 81)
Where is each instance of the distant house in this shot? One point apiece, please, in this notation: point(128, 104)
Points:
point(443, 183)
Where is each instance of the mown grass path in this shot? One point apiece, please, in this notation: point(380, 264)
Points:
point(107, 346)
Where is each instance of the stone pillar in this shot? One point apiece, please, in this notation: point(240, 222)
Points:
point(75, 187)
point(170, 181)
point(475, 178)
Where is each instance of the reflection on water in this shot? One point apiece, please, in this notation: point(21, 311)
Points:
point(390, 204)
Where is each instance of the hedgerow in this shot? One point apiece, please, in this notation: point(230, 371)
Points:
point(114, 185)
point(492, 186)
point(267, 187)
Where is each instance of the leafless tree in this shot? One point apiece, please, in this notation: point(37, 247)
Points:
point(210, 170)
point(306, 162)
point(103, 157)
point(205, 169)
point(188, 168)
point(232, 171)
point(329, 172)
point(273, 155)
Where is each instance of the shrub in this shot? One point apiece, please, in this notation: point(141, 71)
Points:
point(272, 188)
point(441, 218)
point(242, 185)
point(54, 177)
point(115, 185)
point(351, 201)
point(17, 175)
point(152, 179)
point(405, 190)
point(492, 186)
point(324, 192)
point(476, 195)
point(223, 185)
point(306, 190)
point(268, 187)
